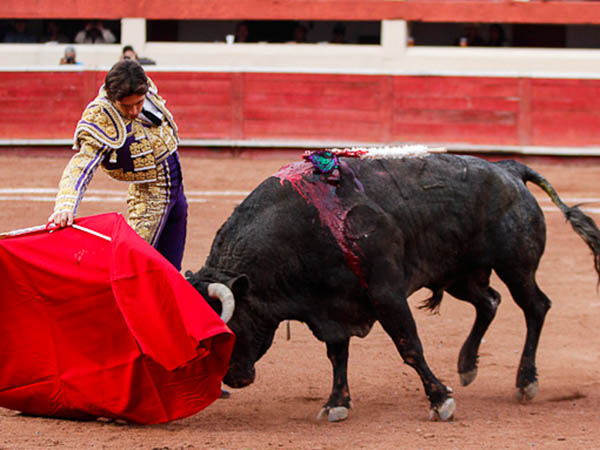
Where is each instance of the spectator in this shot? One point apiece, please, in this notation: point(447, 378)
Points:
point(95, 33)
point(496, 36)
point(339, 34)
point(241, 32)
point(471, 36)
point(129, 53)
point(70, 56)
point(19, 34)
point(300, 33)
point(54, 33)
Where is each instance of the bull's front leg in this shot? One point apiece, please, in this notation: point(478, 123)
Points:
point(339, 401)
point(395, 317)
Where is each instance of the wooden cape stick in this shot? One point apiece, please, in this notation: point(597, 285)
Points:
point(50, 230)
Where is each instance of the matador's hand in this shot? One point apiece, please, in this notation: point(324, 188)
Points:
point(61, 218)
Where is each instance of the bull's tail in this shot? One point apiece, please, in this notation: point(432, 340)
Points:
point(583, 225)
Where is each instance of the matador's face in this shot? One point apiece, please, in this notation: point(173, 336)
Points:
point(131, 106)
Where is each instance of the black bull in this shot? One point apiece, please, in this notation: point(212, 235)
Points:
point(340, 253)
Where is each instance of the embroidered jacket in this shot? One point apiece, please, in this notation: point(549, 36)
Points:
point(126, 150)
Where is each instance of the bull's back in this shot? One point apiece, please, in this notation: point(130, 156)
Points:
point(435, 185)
point(441, 212)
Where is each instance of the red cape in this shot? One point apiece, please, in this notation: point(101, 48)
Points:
point(92, 328)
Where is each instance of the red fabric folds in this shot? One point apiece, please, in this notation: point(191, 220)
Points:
point(92, 328)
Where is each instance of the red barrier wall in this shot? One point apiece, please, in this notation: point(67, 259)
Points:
point(326, 107)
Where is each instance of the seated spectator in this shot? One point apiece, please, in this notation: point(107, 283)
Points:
point(241, 32)
point(129, 53)
point(95, 33)
point(339, 34)
point(300, 33)
point(54, 33)
point(70, 56)
point(19, 34)
point(471, 36)
point(496, 36)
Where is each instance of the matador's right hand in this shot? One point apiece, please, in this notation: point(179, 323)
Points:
point(61, 218)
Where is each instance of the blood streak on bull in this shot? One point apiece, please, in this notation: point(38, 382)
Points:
point(323, 196)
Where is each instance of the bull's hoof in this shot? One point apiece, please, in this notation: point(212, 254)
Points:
point(335, 414)
point(443, 412)
point(466, 378)
point(528, 392)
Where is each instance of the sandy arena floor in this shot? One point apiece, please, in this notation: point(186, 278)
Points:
point(294, 378)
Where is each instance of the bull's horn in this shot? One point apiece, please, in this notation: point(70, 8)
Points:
point(225, 296)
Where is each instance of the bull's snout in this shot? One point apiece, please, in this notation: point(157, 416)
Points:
point(237, 378)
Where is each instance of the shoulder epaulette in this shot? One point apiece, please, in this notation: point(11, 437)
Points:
point(101, 119)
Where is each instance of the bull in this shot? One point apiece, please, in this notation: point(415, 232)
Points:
point(339, 249)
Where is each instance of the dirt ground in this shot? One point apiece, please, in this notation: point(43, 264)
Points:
point(294, 378)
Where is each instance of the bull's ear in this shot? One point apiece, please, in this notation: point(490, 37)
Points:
point(239, 286)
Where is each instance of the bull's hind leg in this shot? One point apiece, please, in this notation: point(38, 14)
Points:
point(535, 305)
point(339, 401)
point(477, 291)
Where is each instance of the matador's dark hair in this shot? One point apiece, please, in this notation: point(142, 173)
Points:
point(125, 78)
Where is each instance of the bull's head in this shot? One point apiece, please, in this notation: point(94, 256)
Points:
point(229, 295)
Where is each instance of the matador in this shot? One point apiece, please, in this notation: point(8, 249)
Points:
point(128, 131)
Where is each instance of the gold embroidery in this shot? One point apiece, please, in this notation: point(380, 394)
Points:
point(140, 148)
point(143, 162)
point(144, 176)
point(163, 141)
point(146, 204)
point(78, 173)
point(102, 121)
point(138, 131)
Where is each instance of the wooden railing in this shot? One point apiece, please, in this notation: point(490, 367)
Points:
point(325, 109)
